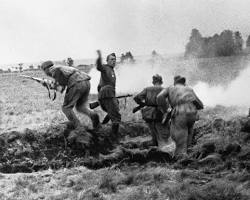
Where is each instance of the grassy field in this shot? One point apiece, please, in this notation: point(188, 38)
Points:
point(25, 104)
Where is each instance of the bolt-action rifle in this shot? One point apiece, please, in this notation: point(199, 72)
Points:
point(95, 104)
point(49, 84)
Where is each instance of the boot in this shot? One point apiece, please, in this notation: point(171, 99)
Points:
point(71, 117)
point(95, 120)
point(115, 132)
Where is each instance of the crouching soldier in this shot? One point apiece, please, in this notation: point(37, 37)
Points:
point(152, 112)
point(77, 92)
point(185, 105)
point(107, 93)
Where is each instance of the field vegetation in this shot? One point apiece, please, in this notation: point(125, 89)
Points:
point(218, 166)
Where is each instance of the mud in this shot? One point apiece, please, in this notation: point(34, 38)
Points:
point(218, 145)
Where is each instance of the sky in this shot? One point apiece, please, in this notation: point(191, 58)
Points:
point(37, 30)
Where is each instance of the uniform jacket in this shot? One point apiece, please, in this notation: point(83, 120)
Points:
point(148, 97)
point(106, 87)
point(67, 76)
point(181, 98)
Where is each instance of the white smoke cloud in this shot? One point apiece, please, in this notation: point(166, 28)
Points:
point(235, 94)
point(132, 78)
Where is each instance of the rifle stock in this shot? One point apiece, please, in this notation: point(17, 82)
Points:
point(137, 108)
point(95, 104)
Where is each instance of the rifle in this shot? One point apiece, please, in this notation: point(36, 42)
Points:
point(137, 108)
point(50, 85)
point(95, 104)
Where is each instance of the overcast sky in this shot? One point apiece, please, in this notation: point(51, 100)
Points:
point(36, 30)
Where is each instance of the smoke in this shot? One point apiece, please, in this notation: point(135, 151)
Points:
point(132, 78)
point(235, 94)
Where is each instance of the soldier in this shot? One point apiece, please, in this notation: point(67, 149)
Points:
point(185, 105)
point(106, 91)
point(152, 114)
point(77, 92)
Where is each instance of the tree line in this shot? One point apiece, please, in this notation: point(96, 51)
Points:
point(227, 43)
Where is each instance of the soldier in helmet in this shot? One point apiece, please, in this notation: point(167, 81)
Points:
point(106, 91)
point(152, 112)
point(77, 92)
point(185, 105)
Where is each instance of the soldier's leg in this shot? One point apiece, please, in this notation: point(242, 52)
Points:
point(70, 100)
point(179, 133)
point(112, 109)
point(165, 142)
point(153, 132)
point(82, 105)
point(191, 120)
point(163, 134)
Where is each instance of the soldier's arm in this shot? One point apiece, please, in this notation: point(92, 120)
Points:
point(162, 95)
point(99, 65)
point(57, 75)
point(162, 100)
point(197, 102)
point(140, 98)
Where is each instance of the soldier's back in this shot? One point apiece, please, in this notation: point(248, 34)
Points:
point(151, 94)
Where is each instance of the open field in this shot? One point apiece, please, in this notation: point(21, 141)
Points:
point(218, 166)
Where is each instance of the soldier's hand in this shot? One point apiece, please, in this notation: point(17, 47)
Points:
point(99, 53)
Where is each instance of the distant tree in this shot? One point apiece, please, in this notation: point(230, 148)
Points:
point(31, 67)
point(128, 57)
point(248, 41)
point(225, 44)
point(194, 46)
point(154, 53)
point(9, 70)
point(1, 70)
point(122, 58)
point(20, 67)
point(238, 42)
point(38, 66)
point(70, 62)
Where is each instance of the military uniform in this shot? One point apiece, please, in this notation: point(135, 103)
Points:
point(185, 104)
point(77, 92)
point(106, 92)
point(152, 115)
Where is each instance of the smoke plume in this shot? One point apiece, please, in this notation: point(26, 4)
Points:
point(132, 78)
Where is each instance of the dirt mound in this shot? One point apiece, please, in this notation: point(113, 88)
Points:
point(58, 146)
point(217, 145)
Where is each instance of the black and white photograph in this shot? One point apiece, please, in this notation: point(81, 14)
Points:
point(124, 100)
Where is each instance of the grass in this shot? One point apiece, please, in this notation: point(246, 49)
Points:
point(26, 105)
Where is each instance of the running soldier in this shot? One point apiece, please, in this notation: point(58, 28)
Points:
point(152, 113)
point(77, 92)
point(106, 91)
point(185, 105)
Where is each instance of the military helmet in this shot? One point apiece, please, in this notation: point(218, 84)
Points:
point(47, 64)
point(157, 79)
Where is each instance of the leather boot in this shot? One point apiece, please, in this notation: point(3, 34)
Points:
point(115, 132)
point(95, 120)
point(69, 113)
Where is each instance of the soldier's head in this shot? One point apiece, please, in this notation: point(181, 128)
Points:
point(157, 80)
point(111, 59)
point(46, 67)
point(179, 80)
